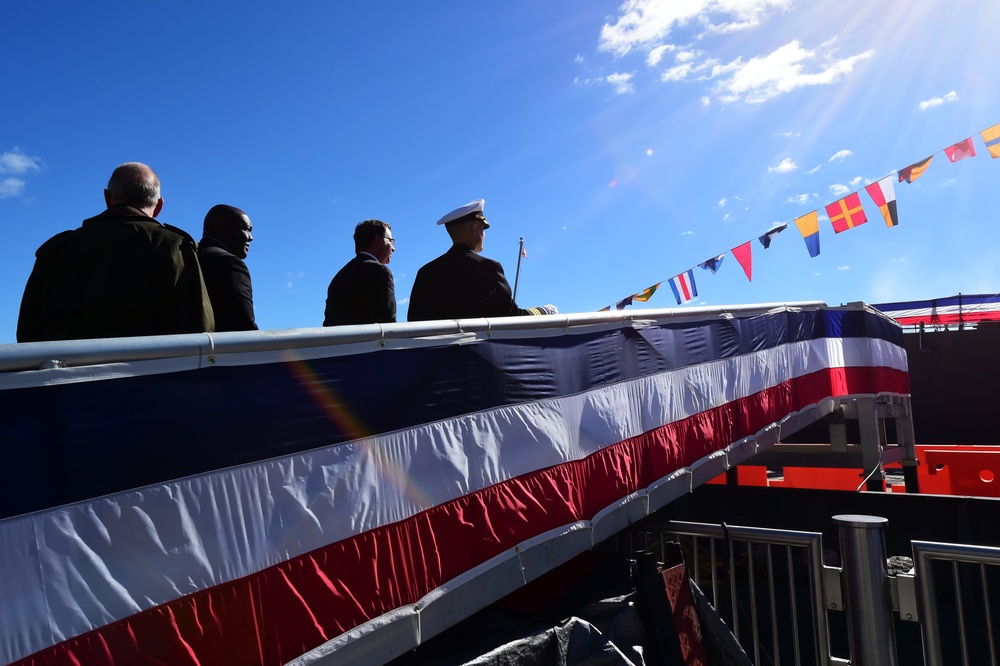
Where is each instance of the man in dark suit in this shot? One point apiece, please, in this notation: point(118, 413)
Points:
point(122, 273)
point(225, 242)
point(363, 291)
point(461, 283)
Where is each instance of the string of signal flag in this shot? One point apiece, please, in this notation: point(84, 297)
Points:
point(845, 213)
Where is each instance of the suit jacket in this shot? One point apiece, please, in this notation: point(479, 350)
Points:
point(461, 284)
point(228, 282)
point(120, 274)
point(362, 292)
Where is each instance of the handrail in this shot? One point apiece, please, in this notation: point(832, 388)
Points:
point(71, 353)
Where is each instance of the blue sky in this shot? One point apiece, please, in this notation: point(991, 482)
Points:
point(625, 143)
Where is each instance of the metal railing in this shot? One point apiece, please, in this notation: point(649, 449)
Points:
point(779, 599)
point(953, 582)
point(770, 591)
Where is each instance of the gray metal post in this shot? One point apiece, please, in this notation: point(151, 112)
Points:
point(865, 586)
point(871, 443)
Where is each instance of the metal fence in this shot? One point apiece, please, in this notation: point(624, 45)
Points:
point(953, 584)
point(786, 606)
point(762, 582)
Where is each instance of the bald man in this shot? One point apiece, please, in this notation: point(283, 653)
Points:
point(225, 242)
point(120, 274)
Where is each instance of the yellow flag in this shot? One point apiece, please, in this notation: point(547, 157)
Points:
point(809, 228)
point(991, 137)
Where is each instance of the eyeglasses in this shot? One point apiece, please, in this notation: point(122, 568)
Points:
point(388, 239)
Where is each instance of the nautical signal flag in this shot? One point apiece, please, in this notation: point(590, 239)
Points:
point(620, 305)
point(912, 172)
point(808, 226)
point(846, 213)
point(684, 287)
point(960, 150)
point(884, 196)
point(646, 293)
point(712, 264)
point(744, 255)
point(766, 239)
point(991, 137)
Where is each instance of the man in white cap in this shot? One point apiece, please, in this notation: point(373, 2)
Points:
point(461, 283)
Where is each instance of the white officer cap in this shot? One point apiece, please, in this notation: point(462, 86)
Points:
point(470, 211)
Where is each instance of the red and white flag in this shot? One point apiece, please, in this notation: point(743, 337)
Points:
point(961, 150)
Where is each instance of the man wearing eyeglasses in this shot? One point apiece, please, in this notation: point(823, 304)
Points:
point(461, 283)
point(363, 292)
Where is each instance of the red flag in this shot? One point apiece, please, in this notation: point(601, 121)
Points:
point(846, 213)
point(744, 256)
point(960, 150)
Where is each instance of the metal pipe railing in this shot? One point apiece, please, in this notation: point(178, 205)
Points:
point(924, 555)
point(866, 589)
point(67, 353)
point(811, 542)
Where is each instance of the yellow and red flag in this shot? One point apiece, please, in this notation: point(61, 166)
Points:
point(846, 213)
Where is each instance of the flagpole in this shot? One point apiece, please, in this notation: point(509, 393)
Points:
point(517, 274)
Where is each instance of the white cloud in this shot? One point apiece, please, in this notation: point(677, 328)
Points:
point(646, 23)
point(676, 73)
point(857, 180)
point(782, 71)
point(578, 59)
point(814, 169)
point(839, 190)
point(840, 156)
point(16, 162)
point(621, 82)
point(403, 301)
point(688, 65)
point(725, 218)
point(655, 55)
point(938, 101)
point(687, 233)
point(687, 56)
point(800, 198)
point(843, 268)
point(787, 166)
point(11, 187)
point(722, 203)
point(791, 135)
